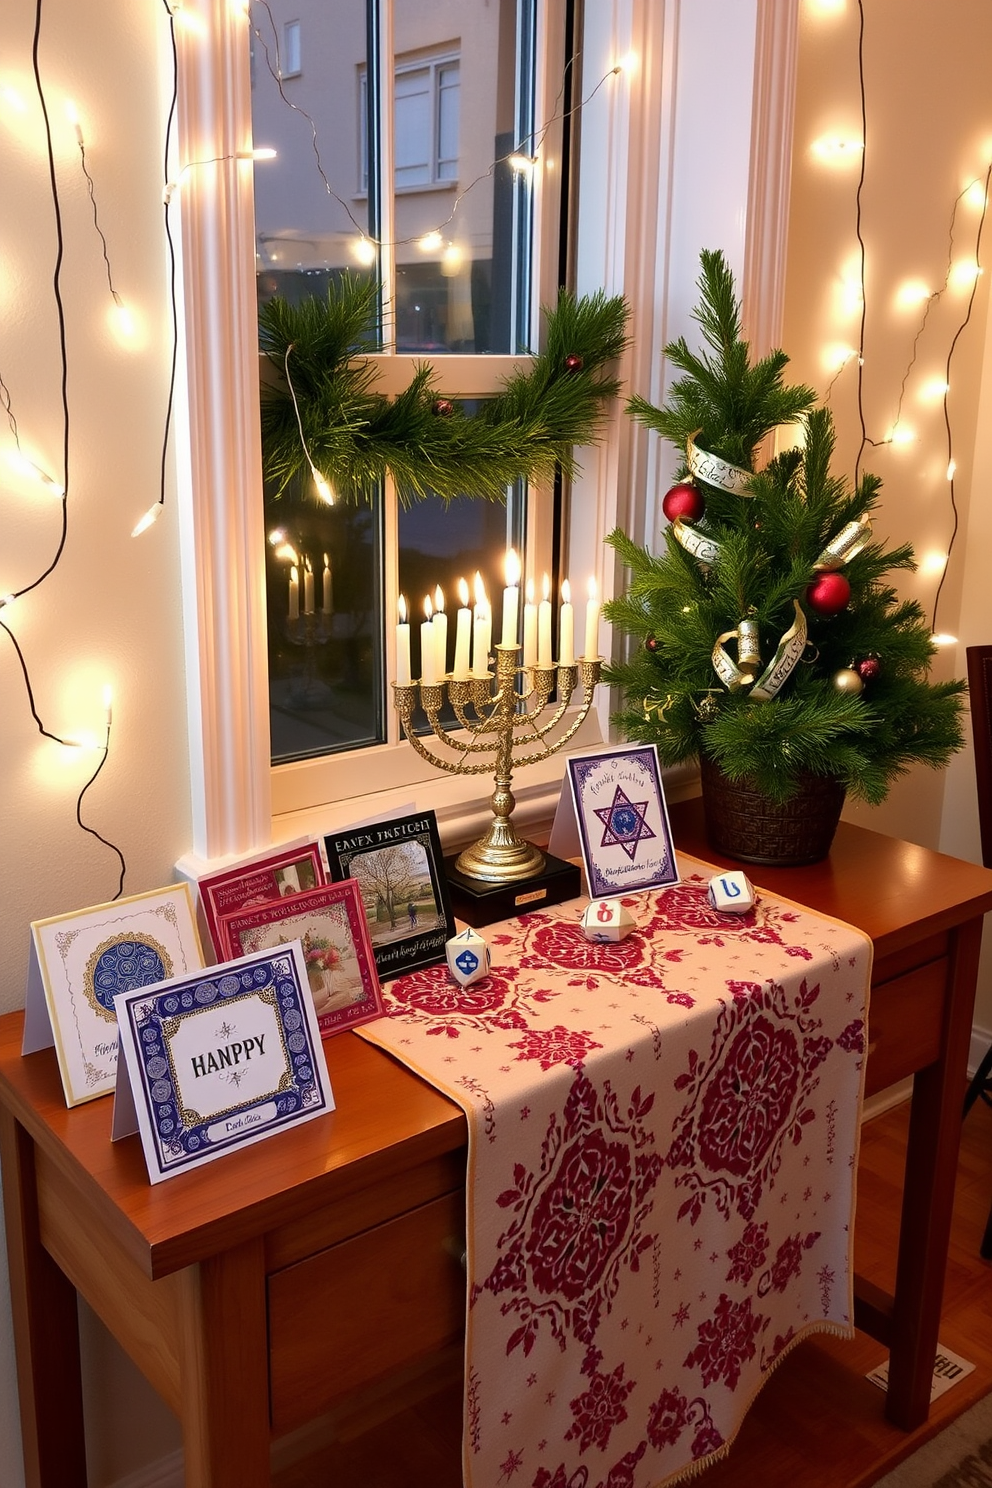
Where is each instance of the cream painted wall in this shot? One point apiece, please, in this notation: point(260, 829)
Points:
point(110, 611)
point(929, 133)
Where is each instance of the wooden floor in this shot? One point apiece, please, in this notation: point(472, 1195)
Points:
point(818, 1422)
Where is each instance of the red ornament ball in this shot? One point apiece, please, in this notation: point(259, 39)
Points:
point(651, 644)
point(573, 362)
point(442, 407)
point(683, 501)
point(868, 669)
point(828, 594)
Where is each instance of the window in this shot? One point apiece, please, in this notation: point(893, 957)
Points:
point(425, 103)
point(291, 55)
point(641, 160)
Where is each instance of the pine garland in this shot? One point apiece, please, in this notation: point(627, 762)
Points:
point(428, 442)
point(770, 539)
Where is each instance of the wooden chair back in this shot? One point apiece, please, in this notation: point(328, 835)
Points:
point(980, 688)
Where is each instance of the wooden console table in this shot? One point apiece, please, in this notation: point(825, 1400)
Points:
point(258, 1292)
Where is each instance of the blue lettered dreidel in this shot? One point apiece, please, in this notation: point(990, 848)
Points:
point(468, 957)
point(731, 892)
point(606, 920)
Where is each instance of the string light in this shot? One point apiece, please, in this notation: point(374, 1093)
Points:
point(835, 149)
point(324, 489)
point(150, 517)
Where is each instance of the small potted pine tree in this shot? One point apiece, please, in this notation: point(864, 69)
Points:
point(765, 638)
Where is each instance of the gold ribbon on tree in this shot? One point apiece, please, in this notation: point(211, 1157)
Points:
point(740, 673)
point(842, 548)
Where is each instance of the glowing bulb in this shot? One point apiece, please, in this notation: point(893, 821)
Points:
point(975, 196)
point(902, 434)
point(941, 638)
point(276, 536)
point(952, 469)
point(850, 294)
point(189, 20)
point(629, 62)
point(451, 260)
point(13, 100)
point(828, 7)
point(264, 152)
point(324, 490)
point(912, 292)
point(31, 468)
point(522, 165)
point(835, 149)
point(933, 563)
point(933, 390)
point(430, 242)
point(6, 600)
point(364, 252)
point(837, 355)
point(108, 704)
point(151, 515)
point(963, 274)
point(72, 114)
point(287, 553)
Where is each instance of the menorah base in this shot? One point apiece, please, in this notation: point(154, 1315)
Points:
point(479, 903)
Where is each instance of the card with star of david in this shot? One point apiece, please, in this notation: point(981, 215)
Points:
point(622, 820)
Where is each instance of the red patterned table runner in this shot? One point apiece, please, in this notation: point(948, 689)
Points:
point(662, 1147)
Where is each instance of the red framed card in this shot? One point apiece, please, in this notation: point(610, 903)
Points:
point(331, 924)
point(284, 872)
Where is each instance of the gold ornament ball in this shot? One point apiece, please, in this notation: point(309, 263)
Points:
point(847, 680)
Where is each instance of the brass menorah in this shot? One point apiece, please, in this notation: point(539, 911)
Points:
point(503, 724)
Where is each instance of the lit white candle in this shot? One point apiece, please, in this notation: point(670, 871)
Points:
point(481, 630)
point(428, 655)
point(544, 626)
point(327, 604)
point(307, 587)
point(530, 626)
point(592, 623)
point(511, 598)
point(440, 634)
point(402, 648)
point(294, 593)
point(566, 628)
point(463, 632)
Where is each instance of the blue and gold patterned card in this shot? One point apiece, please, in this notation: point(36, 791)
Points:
point(220, 1060)
point(617, 806)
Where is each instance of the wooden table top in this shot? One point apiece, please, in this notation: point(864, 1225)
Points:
point(387, 1120)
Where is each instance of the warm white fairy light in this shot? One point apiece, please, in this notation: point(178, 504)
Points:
point(933, 390)
point(850, 295)
point(263, 152)
point(522, 165)
point(952, 469)
point(151, 516)
point(72, 114)
point(430, 242)
point(324, 488)
point(276, 536)
point(451, 260)
point(941, 638)
point(286, 553)
point(30, 468)
point(13, 100)
point(902, 434)
point(975, 196)
point(933, 563)
point(363, 251)
point(912, 293)
point(837, 149)
point(837, 354)
point(963, 274)
point(108, 704)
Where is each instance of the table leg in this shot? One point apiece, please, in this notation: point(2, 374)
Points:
point(225, 1407)
point(46, 1329)
point(928, 1193)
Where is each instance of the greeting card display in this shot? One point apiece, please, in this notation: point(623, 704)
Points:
point(615, 813)
point(329, 922)
point(79, 962)
point(279, 874)
point(398, 868)
point(219, 1060)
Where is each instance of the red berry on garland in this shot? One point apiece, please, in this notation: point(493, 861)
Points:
point(828, 594)
point(651, 644)
point(442, 407)
point(683, 501)
point(573, 362)
point(868, 669)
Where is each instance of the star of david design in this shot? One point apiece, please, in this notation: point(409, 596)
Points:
point(624, 823)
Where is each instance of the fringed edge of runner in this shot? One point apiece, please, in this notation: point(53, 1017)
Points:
point(700, 1465)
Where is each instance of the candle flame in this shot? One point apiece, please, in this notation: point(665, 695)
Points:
point(546, 587)
point(480, 589)
point(529, 591)
point(463, 593)
point(511, 569)
point(566, 592)
point(428, 608)
point(327, 561)
point(592, 590)
point(439, 600)
point(402, 609)
point(294, 574)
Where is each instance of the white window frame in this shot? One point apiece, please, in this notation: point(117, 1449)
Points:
point(644, 157)
point(433, 64)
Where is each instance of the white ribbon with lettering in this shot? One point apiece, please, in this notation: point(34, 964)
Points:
point(703, 549)
point(730, 674)
point(780, 668)
point(716, 472)
point(842, 548)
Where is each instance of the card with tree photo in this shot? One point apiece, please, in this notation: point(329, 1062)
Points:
point(397, 865)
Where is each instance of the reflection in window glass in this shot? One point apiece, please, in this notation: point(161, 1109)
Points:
point(455, 277)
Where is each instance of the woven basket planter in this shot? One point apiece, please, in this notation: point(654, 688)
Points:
point(743, 823)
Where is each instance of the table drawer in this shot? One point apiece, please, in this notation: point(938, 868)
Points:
point(905, 1022)
point(358, 1311)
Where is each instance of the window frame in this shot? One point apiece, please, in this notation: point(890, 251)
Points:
point(642, 157)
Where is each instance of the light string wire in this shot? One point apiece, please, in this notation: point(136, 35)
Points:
point(931, 299)
point(537, 136)
point(91, 189)
point(945, 402)
point(173, 307)
point(64, 391)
